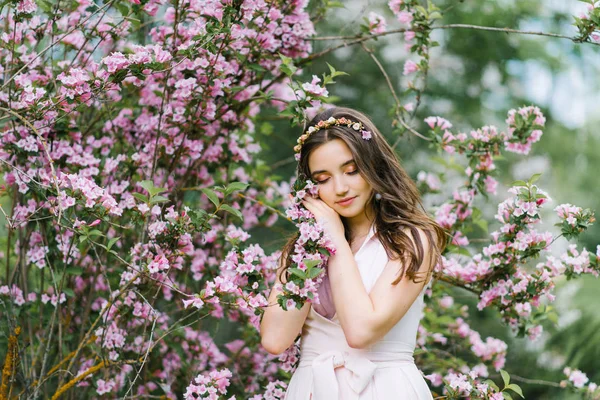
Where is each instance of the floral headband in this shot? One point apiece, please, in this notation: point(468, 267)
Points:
point(357, 126)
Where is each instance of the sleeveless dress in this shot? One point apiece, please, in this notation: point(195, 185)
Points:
point(330, 369)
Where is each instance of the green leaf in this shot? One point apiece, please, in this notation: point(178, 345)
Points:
point(534, 178)
point(233, 186)
point(212, 196)
point(519, 183)
point(463, 251)
point(147, 185)
point(298, 272)
point(44, 5)
point(123, 9)
point(111, 242)
point(289, 70)
point(96, 232)
point(69, 292)
point(483, 224)
point(82, 238)
point(506, 396)
point(285, 59)
point(152, 190)
point(492, 384)
point(324, 252)
point(255, 67)
point(313, 273)
point(266, 128)
point(515, 388)
point(335, 73)
point(505, 377)
point(335, 4)
point(159, 199)
point(77, 271)
point(232, 210)
point(141, 197)
point(311, 263)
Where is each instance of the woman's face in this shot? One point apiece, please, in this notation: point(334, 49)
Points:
point(333, 168)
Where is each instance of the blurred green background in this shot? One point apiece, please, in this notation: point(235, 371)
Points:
point(475, 78)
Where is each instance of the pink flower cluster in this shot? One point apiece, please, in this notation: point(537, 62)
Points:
point(492, 349)
point(311, 251)
point(87, 190)
point(574, 262)
point(568, 212)
point(274, 391)
point(515, 291)
point(580, 382)
point(314, 89)
point(401, 10)
point(410, 67)
point(158, 264)
point(117, 61)
point(210, 385)
point(467, 383)
point(377, 23)
point(75, 85)
point(455, 212)
point(524, 129)
point(429, 180)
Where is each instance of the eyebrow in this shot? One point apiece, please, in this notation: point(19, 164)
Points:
point(341, 166)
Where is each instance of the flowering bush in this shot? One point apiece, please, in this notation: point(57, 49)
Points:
point(129, 157)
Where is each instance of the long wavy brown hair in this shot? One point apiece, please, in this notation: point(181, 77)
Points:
point(399, 209)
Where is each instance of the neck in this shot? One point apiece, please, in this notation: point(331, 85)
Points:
point(359, 225)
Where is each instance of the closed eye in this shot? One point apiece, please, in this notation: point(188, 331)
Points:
point(349, 173)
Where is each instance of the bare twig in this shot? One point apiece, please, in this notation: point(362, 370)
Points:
point(357, 38)
point(391, 87)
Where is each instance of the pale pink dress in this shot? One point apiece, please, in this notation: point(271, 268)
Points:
point(329, 369)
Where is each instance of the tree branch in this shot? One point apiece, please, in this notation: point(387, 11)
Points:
point(391, 87)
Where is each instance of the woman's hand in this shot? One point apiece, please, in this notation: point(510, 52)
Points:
point(326, 216)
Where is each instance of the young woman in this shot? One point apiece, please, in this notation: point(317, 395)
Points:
point(359, 342)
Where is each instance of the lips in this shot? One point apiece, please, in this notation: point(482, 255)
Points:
point(346, 201)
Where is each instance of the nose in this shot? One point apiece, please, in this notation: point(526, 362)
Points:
point(341, 187)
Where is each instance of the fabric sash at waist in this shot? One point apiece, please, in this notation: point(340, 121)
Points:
point(361, 364)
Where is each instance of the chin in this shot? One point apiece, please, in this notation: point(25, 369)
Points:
point(351, 213)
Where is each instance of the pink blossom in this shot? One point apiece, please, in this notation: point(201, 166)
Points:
point(160, 263)
point(377, 23)
point(26, 6)
point(405, 17)
point(440, 122)
point(314, 88)
point(115, 62)
point(578, 378)
point(195, 302)
point(435, 379)
point(409, 35)
point(104, 387)
point(394, 5)
point(446, 302)
point(410, 67)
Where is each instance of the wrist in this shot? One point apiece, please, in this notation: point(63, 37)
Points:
point(340, 245)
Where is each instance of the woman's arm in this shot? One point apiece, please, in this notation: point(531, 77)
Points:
point(279, 328)
point(366, 318)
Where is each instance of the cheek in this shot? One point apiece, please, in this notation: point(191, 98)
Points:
point(362, 183)
point(326, 194)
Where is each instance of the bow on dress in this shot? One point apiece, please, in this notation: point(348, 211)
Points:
point(325, 384)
